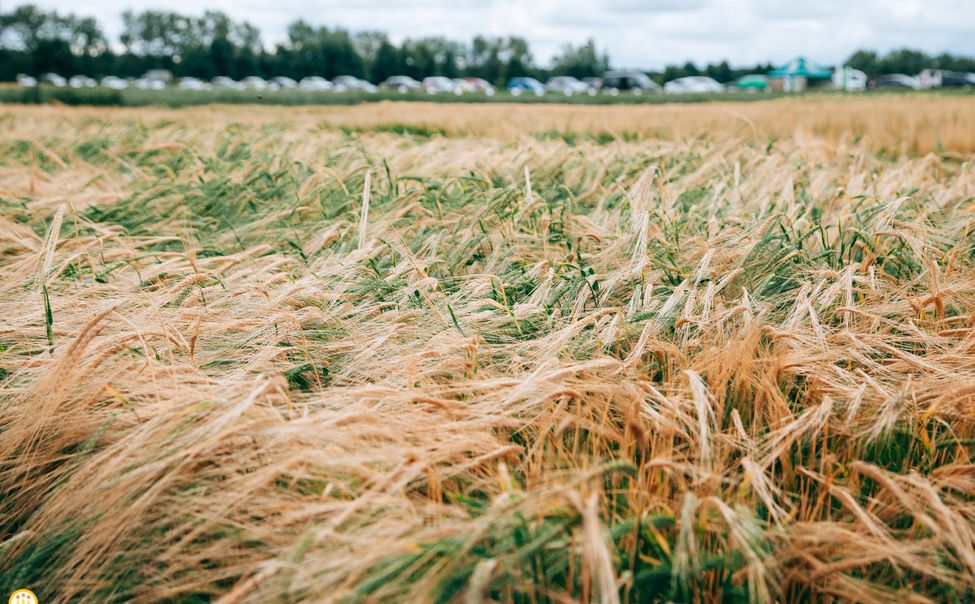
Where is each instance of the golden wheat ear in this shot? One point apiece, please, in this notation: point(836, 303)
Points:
point(489, 353)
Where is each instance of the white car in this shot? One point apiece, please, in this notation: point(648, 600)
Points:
point(693, 84)
point(314, 83)
point(284, 82)
point(440, 84)
point(344, 83)
point(150, 84)
point(26, 81)
point(257, 83)
point(226, 83)
point(480, 85)
point(568, 86)
point(114, 83)
point(53, 79)
point(191, 84)
point(80, 81)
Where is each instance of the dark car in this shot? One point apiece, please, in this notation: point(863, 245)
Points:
point(898, 81)
point(951, 79)
point(615, 82)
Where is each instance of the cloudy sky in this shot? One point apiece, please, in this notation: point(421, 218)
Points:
point(635, 33)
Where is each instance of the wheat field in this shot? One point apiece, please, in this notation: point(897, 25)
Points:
point(473, 354)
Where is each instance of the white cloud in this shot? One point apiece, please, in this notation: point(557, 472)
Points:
point(636, 33)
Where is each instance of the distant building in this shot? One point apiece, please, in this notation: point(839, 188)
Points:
point(800, 74)
point(930, 78)
point(847, 78)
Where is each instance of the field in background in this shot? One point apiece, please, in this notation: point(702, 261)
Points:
point(889, 125)
point(410, 352)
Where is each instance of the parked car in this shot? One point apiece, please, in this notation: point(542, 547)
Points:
point(149, 84)
point(521, 85)
point(615, 82)
point(314, 83)
point(52, 79)
point(26, 81)
point(463, 85)
point(255, 83)
point(226, 83)
point(82, 81)
point(897, 81)
point(441, 85)
point(401, 84)
point(690, 84)
point(480, 85)
point(954, 79)
point(593, 83)
point(161, 75)
point(191, 84)
point(345, 83)
point(284, 82)
point(114, 83)
point(568, 86)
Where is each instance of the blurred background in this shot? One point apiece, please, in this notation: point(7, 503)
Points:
point(484, 47)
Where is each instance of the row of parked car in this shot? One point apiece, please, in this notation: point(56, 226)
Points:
point(929, 78)
point(159, 81)
point(612, 83)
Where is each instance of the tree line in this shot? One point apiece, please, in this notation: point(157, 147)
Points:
point(34, 41)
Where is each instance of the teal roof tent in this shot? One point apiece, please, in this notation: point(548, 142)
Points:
point(754, 81)
point(801, 67)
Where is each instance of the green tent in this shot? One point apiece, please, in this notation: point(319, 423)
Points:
point(753, 81)
point(801, 67)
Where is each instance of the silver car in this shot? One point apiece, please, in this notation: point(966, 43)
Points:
point(81, 81)
point(114, 83)
point(226, 83)
point(53, 79)
point(256, 83)
point(345, 83)
point(440, 84)
point(401, 84)
point(315, 83)
point(191, 84)
point(284, 82)
point(568, 86)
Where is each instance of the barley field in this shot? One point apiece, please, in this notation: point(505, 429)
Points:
point(473, 354)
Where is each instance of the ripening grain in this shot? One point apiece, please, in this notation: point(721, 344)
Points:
point(573, 354)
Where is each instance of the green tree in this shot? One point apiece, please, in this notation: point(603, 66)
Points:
point(484, 59)
point(37, 41)
point(721, 72)
point(583, 61)
point(517, 58)
point(864, 60)
point(388, 62)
